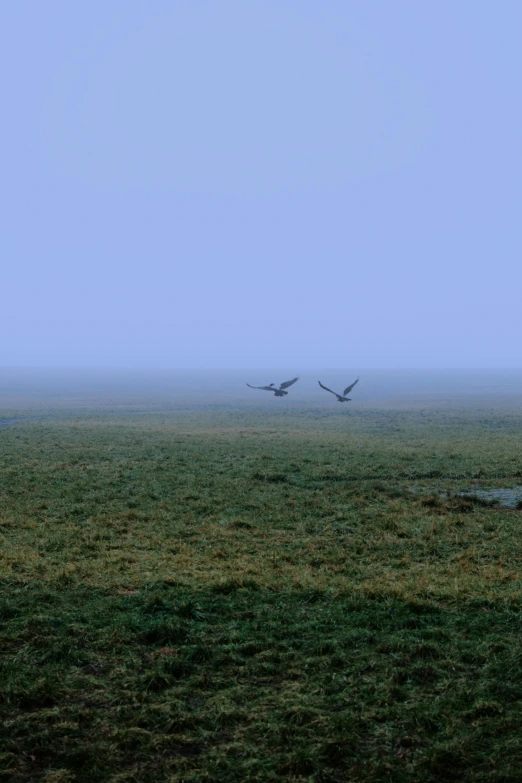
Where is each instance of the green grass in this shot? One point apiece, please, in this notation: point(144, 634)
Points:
point(242, 596)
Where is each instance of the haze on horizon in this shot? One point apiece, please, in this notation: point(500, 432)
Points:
point(283, 184)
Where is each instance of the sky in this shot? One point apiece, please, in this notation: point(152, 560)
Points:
point(243, 183)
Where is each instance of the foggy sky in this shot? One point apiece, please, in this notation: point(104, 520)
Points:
point(247, 183)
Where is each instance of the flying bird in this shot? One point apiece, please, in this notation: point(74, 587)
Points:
point(278, 392)
point(343, 397)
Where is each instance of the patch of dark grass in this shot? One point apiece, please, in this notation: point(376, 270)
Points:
point(432, 501)
point(270, 478)
point(313, 684)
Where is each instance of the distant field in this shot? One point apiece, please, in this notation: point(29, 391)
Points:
point(259, 593)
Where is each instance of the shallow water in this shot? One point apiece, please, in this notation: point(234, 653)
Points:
point(509, 498)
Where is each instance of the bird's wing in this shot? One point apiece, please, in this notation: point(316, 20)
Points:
point(265, 388)
point(349, 388)
point(286, 384)
point(327, 389)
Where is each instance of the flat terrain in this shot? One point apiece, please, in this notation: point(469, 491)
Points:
point(262, 592)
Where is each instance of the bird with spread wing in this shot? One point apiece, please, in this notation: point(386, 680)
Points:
point(278, 392)
point(343, 397)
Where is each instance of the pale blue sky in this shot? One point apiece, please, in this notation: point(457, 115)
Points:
point(244, 183)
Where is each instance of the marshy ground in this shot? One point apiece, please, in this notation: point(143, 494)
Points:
point(260, 593)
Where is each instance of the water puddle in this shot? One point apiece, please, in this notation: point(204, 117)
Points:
point(8, 422)
point(507, 498)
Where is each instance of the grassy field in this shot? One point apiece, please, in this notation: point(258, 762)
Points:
point(260, 595)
